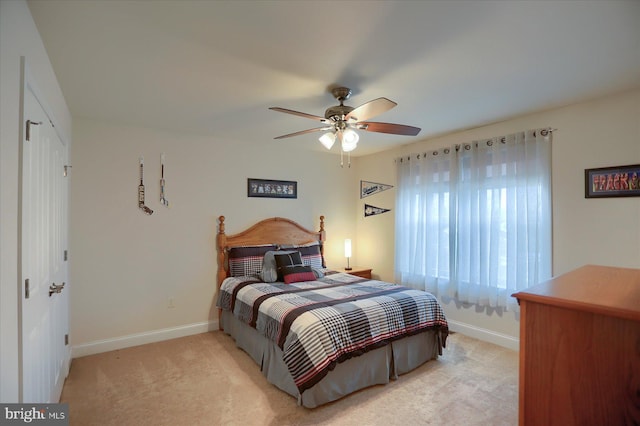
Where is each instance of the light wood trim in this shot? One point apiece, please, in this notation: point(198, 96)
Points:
point(521, 365)
point(358, 271)
point(602, 290)
point(275, 230)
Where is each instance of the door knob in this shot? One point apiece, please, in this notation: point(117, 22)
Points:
point(53, 288)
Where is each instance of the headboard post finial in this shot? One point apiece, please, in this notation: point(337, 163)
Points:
point(321, 223)
point(221, 227)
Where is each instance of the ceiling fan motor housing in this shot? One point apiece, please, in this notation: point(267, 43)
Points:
point(337, 113)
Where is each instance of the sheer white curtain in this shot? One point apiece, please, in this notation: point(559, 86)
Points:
point(422, 257)
point(474, 221)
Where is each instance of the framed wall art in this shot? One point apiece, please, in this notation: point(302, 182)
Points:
point(618, 181)
point(268, 188)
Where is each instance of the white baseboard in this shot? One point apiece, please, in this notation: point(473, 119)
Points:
point(152, 336)
point(122, 342)
point(490, 336)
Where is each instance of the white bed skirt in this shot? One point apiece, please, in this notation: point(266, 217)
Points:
point(375, 367)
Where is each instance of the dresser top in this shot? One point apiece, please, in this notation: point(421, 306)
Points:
point(599, 289)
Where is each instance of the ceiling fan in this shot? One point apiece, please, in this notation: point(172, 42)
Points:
point(342, 121)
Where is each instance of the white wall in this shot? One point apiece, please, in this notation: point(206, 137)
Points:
point(127, 265)
point(18, 37)
point(599, 133)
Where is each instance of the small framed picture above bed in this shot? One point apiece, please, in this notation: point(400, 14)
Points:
point(268, 188)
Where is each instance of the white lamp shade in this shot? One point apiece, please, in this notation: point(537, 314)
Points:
point(347, 248)
point(327, 139)
point(349, 140)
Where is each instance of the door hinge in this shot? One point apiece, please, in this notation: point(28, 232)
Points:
point(66, 339)
point(66, 255)
point(66, 171)
point(26, 288)
point(29, 123)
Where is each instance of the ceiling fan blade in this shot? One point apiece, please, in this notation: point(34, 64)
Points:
point(299, 114)
point(302, 132)
point(370, 109)
point(394, 129)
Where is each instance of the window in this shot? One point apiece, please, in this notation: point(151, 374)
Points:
point(474, 221)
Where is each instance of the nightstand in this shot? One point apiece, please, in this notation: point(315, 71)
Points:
point(358, 272)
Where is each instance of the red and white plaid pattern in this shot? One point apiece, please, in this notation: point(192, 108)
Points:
point(320, 323)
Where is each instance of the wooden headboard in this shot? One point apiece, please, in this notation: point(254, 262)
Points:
point(275, 230)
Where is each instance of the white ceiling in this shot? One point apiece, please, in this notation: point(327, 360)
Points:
point(214, 67)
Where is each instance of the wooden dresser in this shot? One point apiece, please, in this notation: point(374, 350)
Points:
point(580, 349)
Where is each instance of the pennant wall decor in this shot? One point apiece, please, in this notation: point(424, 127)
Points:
point(370, 210)
point(369, 188)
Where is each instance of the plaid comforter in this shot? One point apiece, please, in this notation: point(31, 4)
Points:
point(320, 323)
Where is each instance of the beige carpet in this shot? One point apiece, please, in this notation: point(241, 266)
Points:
point(205, 380)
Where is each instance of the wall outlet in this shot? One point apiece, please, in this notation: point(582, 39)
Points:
point(171, 304)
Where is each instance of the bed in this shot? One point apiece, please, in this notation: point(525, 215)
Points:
point(318, 334)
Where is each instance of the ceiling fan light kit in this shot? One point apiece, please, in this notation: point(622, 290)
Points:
point(342, 121)
point(349, 140)
point(328, 139)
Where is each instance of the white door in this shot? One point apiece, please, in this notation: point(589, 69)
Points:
point(45, 354)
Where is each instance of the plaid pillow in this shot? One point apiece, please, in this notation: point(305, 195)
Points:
point(311, 254)
point(297, 273)
point(284, 259)
point(247, 260)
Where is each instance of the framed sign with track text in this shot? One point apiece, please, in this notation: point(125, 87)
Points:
point(619, 181)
